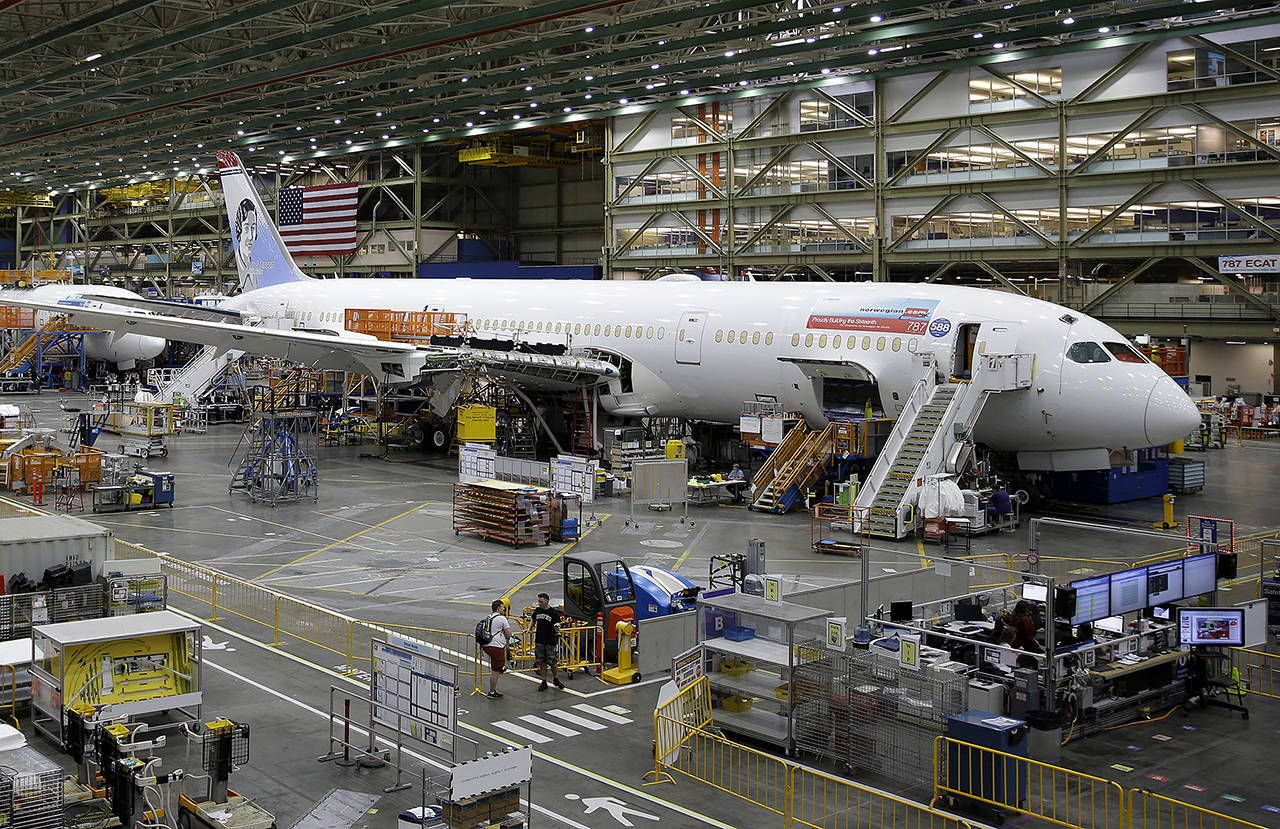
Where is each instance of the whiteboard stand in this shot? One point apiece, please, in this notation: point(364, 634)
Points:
point(660, 482)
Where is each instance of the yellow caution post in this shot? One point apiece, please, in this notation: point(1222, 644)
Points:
point(626, 672)
point(1168, 523)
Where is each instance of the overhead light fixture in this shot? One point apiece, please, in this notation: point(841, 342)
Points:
point(92, 57)
point(1067, 21)
point(1235, 342)
point(875, 18)
point(1104, 29)
point(997, 45)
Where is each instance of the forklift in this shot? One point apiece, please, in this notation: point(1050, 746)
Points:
point(601, 587)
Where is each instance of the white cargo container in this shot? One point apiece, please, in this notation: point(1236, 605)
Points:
point(33, 544)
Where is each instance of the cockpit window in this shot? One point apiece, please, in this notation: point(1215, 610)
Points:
point(1087, 353)
point(1124, 353)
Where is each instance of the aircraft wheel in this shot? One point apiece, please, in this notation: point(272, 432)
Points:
point(439, 438)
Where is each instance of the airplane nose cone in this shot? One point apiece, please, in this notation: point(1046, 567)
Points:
point(1170, 413)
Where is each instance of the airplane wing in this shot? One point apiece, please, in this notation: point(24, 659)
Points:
point(399, 363)
point(164, 306)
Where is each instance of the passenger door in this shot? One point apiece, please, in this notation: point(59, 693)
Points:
point(689, 337)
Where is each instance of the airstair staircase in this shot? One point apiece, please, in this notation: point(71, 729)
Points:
point(20, 357)
point(803, 456)
point(932, 435)
point(195, 378)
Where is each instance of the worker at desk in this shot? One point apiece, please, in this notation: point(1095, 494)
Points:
point(1023, 624)
point(999, 505)
point(737, 482)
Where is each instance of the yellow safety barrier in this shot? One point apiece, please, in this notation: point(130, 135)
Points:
point(1002, 573)
point(1259, 671)
point(1006, 781)
point(1066, 569)
point(822, 801)
point(287, 616)
point(686, 744)
point(578, 651)
point(1148, 810)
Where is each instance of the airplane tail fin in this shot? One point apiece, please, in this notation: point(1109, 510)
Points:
point(262, 260)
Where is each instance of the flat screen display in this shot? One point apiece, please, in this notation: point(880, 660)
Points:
point(1164, 582)
point(1161, 612)
point(1211, 626)
point(1035, 592)
point(1199, 574)
point(1093, 599)
point(1128, 591)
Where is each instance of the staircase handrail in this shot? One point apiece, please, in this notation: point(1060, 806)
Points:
point(915, 401)
point(779, 456)
point(811, 459)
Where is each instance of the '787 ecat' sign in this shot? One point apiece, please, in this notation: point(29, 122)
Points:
point(1254, 263)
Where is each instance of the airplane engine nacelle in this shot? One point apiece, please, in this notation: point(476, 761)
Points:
point(125, 351)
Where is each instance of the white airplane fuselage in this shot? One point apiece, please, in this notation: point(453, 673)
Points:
point(1071, 405)
point(123, 350)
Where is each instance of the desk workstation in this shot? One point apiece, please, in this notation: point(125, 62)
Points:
point(1122, 644)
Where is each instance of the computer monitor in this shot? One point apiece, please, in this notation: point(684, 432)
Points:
point(1093, 599)
point(967, 611)
point(900, 611)
point(1033, 592)
point(1211, 626)
point(1164, 583)
point(1159, 612)
point(1128, 591)
point(1111, 624)
point(1199, 574)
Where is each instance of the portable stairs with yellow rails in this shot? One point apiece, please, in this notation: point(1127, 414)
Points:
point(803, 457)
point(189, 385)
point(933, 435)
point(32, 350)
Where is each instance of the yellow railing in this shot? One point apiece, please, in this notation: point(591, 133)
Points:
point(686, 744)
point(1006, 781)
point(822, 801)
point(992, 570)
point(1148, 810)
point(577, 652)
point(1259, 671)
point(288, 618)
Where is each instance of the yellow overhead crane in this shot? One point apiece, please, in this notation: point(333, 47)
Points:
point(147, 191)
point(19, 198)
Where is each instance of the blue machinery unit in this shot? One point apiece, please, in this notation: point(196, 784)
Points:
point(990, 778)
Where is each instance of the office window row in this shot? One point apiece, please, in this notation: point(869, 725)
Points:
point(1204, 66)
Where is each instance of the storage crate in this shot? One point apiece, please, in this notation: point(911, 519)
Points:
point(737, 704)
point(736, 667)
point(739, 633)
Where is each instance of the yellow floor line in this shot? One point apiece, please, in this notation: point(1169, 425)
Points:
point(679, 561)
point(541, 568)
point(288, 527)
point(301, 559)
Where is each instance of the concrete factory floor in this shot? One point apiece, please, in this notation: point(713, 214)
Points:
point(379, 545)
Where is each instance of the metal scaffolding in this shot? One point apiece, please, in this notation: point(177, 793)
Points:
point(277, 465)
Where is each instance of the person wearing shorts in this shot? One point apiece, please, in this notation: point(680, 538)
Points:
point(500, 631)
point(546, 640)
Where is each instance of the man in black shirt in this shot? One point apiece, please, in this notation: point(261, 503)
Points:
point(546, 639)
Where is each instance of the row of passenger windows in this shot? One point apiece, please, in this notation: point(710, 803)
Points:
point(1094, 353)
point(881, 343)
point(742, 336)
point(576, 329)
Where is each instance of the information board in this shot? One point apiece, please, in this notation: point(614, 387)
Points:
point(574, 475)
point(476, 462)
point(659, 481)
point(513, 767)
point(414, 691)
point(687, 667)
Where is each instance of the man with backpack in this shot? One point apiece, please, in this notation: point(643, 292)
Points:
point(493, 634)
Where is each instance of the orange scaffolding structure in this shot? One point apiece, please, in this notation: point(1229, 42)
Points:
point(406, 326)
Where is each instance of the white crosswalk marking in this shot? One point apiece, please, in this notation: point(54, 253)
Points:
point(607, 716)
point(554, 728)
point(521, 732)
point(617, 709)
point(576, 720)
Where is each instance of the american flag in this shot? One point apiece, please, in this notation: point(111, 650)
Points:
point(319, 221)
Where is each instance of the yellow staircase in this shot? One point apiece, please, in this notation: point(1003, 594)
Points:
point(26, 350)
point(802, 457)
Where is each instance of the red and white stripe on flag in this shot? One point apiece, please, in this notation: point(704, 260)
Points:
point(319, 221)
